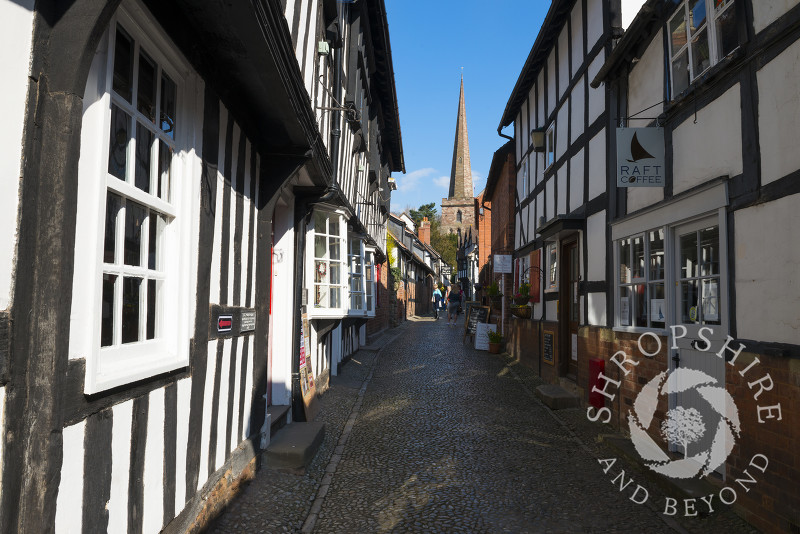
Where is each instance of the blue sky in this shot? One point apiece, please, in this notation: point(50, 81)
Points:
point(431, 41)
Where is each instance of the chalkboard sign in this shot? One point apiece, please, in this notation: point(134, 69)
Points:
point(469, 304)
point(476, 314)
point(548, 347)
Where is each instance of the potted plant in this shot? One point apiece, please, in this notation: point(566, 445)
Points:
point(493, 291)
point(495, 340)
point(523, 295)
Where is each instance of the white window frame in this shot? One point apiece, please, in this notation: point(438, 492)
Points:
point(121, 364)
point(709, 26)
point(549, 157)
point(311, 264)
point(370, 282)
point(356, 278)
point(628, 280)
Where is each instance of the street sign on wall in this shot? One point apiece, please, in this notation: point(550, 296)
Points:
point(501, 263)
point(640, 157)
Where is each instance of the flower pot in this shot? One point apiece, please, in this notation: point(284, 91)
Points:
point(494, 348)
point(523, 312)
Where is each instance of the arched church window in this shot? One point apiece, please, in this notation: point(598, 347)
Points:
point(458, 216)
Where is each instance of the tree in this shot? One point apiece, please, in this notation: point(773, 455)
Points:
point(446, 244)
point(426, 210)
point(683, 426)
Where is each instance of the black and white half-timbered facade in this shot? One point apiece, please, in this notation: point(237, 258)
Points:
point(174, 174)
point(675, 247)
point(561, 128)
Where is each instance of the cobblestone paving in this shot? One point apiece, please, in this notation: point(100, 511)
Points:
point(449, 439)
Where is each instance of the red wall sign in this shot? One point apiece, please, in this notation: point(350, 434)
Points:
point(224, 323)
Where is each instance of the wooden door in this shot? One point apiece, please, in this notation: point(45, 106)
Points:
point(569, 308)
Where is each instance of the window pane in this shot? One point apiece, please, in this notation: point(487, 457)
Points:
point(680, 73)
point(168, 105)
point(697, 13)
point(335, 248)
point(727, 35)
point(368, 272)
point(319, 247)
point(321, 296)
point(369, 303)
point(134, 218)
point(701, 57)
point(334, 225)
point(113, 205)
point(146, 95)
point(624, 261)
point(688, 263)
point(336, 301)
point(123, 65)
point(336, 273)
point(711, 302)
point(144, 143)
point(130, 309)
point(677, 28)
point(118, 142)
point(638, 257)
point(157, 224)
point(355, 283)
point(656, 254)
point(320, 223)
point(152, 302)
point(657, 311)
point(640, 305)
point(709, 251)
point(164, 170)
point(688, 305)
point(107, 317)
point(356, 301)
point(320, 271)
point(624, 306)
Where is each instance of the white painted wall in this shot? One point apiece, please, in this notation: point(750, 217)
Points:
point(577, 37)
point(540, 102)
point(120, 466)
point(69, 503)
point(597, 97)
point(153, 478)
point(578, 104)
point(283, 293)
point(710, 148)
point(641, 197)
point(2, 427)
point(563, 57)
point(597, 164)
point(181, 442)
point(16, 28)
point(596, 247)
point(767, 11)
point(576, 179)
point(551, 83)
point(594, 22)
point(562, 190)
point(774, 283)
point(562, 129)
point(646, 82)
point(779, 115)
point(597, 309)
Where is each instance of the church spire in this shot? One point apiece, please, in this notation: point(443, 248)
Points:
point(461, 171)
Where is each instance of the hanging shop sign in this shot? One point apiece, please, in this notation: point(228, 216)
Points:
point(502, 263)
point(640, 157)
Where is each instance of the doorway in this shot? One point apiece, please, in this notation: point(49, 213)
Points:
point(569, 310)
point(700, 297)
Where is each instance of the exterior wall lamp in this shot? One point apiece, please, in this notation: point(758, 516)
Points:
point(537, 139)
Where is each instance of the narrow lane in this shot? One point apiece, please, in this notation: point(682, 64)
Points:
point(448, 441)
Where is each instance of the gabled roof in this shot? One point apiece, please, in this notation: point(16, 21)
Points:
point(547, 37)
point(496, 169)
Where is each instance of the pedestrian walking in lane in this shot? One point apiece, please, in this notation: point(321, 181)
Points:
point(437, 302)
point(454, 300)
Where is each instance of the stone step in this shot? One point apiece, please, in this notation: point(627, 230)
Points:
point(295, 446)
point(278, 416)
point(557, 398)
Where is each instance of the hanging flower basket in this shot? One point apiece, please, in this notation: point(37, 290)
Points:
point(497, 301)
point(522, 300)
point(523, 312)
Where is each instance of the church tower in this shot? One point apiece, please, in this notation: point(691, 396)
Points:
point(458, 209)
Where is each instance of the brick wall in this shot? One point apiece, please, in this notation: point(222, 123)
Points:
point(484, 241)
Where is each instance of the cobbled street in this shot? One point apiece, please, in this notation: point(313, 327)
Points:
point(430, 435)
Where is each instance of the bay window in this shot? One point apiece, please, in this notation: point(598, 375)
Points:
point(132, 270)
point(701, 33)
point(356, 275)
point(328, 279)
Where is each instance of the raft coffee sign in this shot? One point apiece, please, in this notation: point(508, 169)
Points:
point(640, 157)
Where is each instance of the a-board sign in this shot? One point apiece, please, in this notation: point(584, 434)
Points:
point(307, 385)
point(469, 304)
point(547, 349)
point(476, 314)
point(482, 335)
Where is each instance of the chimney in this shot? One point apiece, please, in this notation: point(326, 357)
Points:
point(424, 231)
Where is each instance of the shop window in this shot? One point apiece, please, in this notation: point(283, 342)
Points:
point(328, 261)
point(699, 277)
point(132, 212)
point(701, 33)
point(551, 278)
point(640, 280)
